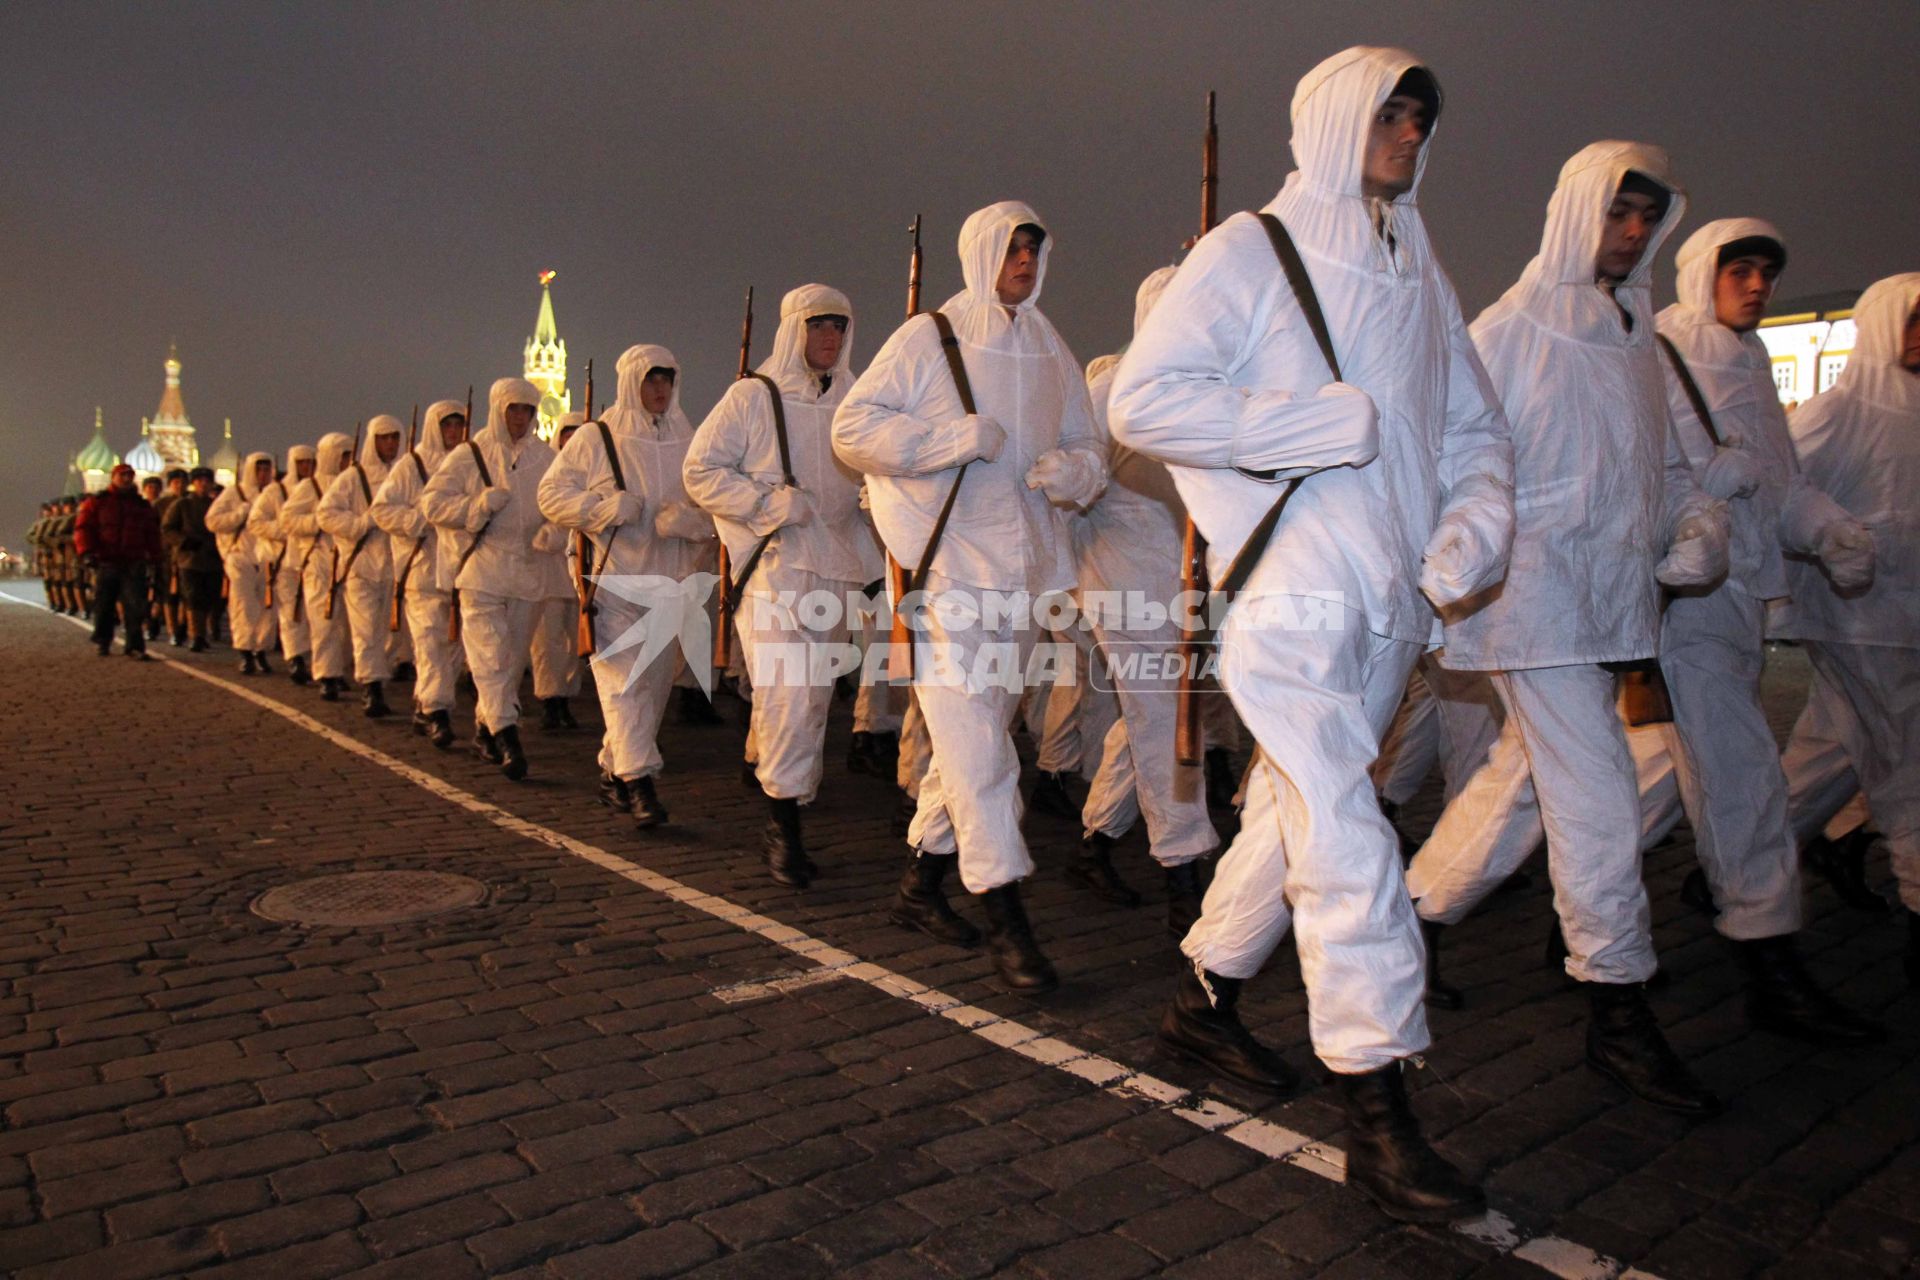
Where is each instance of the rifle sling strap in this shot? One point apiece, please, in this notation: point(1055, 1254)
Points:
point(486, 479)
point(589, 585)
point(1688, 385)
point(1248, 558)
point(735, 587)
point(950, 348)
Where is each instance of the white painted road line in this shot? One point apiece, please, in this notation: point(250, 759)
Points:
point(1562, 1258)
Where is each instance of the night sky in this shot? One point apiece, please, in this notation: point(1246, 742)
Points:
point(341, 209)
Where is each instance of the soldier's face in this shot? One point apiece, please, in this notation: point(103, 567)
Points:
point(656, 391)
point(1741, 291)
point(1625, 233)
point(262, 474)
point(519, 418)
point(387, 446)
point(825, 336)
point(453, 429)
point(1020, 269)
point(303, 469)
point(1394, 138)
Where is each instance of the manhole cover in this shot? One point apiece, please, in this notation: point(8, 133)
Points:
point(369, 898)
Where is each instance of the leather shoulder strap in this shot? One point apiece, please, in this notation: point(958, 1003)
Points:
point(418, 465)
point(613, 456)
point(1302, 284)
point(366, 490)
point(779, 423)
point(1688, 385)
point(480, 462)
point(950, 348)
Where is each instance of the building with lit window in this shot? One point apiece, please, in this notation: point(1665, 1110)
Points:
point(546, 363)
point(1809, 340)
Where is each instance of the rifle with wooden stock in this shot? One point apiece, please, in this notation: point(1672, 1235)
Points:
point(1189, 742)
point(899, 634)
point(273, 569)
point(585, 583)
point(335, 574)
point(486, 481)
point(723, 628)
point(400, 580)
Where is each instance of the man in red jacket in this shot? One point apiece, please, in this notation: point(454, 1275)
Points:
point(118, 536)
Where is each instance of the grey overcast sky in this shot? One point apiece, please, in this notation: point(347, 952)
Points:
point(340, 209)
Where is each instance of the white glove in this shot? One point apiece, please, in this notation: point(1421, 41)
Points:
point(1470, 545)
point(978, 437)
point(1347, 436)
point(781, 507)
point(1732, 472)
point(549, 538)
point(678, 520)
point(1071, 480)
point(1698, 556)
point(1846, 548)
point(633, 508)
point(496, 499)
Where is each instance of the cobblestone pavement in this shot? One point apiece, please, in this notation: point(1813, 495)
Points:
point(640, 1058)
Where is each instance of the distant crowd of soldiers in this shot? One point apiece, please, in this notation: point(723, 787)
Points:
point(181, 592)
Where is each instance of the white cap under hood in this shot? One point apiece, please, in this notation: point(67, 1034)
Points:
point(984, 238)
point(1558, 289)
point(430, 448)
point(334, 446)
point(788, 366)
point(244, 478)
point(1874, 371)
point(630, 370)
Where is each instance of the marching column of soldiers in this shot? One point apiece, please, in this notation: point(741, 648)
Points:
point(1545, 551)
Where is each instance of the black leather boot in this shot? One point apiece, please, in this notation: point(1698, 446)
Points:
point(1186, 889)
point(1092, 868)
point(1842, 863)
point(513, 761)
point(1201, 1025)
point(921, 903)
point(886, 752)
point(694, 708)
point(441, 735)
point(422, 723)
point(247, 665)
point(750, 775)
point(375, 702)
point(1222, 781)
point(403, 673)
point(1388, 1158)
point(1010, 943)
point(1624, 1044)
point(1439, 994)
point(860, 755)
point(566, 714)
point(486, 744)
point(1049, 796)
point(903, 813)
point(330, 688)
point(1781, 997)
point(614, 793)
point(297, 670)
point(1697, 893)
point(647, 809)
point(550, 714)
point(787, 860)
